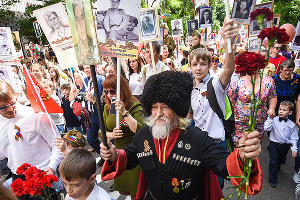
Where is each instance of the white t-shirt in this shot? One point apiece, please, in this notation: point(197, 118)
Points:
point(136, 83)
point(217, 74)
point(97, 194)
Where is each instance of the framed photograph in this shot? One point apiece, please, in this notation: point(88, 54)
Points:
point(198, 4)
point(241, 11)
point(118, 21)
point(205, 17)
point(177, 28)
point(253, 44)
point(7, 48)
point(54, 22)
point(296, 41)
point(276, 20)
point(81, 20)
point(149, 28)
point(192, 25)
point(254, 28)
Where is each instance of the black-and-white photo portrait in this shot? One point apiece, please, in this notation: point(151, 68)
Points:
point(241, 10)
point(177, 28)
point(5, 48)
point(192, 26)
point(58, 29)
point(149, 29)
point(37, 29)
point(254, 28)
point(117, 20)
point(296, 40)
point(253, 44)
point(205, 17)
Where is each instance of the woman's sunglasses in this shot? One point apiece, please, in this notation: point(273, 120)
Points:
point(112, 92)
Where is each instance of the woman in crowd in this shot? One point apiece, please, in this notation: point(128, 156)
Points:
point(135, 77)
point(131, 120)
point(57, 81)
point(287, 85)
point(165, 54)
point(110, 70)
point(240, 96)
point(215, 71)
point(171, 64)
point(38, 72)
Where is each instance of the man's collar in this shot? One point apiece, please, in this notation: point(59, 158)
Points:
point(206, 79)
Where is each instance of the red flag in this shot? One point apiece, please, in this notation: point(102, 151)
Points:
point(39, 99)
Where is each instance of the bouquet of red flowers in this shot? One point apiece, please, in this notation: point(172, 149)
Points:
point(260, 15)
point(37, 182)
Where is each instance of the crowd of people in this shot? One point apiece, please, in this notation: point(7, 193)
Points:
point(170, 142)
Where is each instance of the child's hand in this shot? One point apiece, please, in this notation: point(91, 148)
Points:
point(60, 144)
point(294, 154)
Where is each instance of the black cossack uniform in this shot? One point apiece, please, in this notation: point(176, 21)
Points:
point(181, 177)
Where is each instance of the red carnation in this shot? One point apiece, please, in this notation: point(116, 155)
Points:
point(262, 13)
point(273, 34)
point(33, 172)
point(22, 168)
point(33, 186)
point(17, 187)
point(249, 62)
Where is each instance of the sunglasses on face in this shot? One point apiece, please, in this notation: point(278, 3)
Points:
point(112, 92)
point(277, 48)
point(214, 61)
point(8, 105)
point(169, 63)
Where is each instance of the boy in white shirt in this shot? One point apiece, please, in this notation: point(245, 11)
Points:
point(283, 134)
point(78, 173)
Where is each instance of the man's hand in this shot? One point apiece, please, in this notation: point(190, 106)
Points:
point(249, 145)
point(49, 171)
point(110, 154)
point(229, 30)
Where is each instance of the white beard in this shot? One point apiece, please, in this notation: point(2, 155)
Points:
point(159, 131)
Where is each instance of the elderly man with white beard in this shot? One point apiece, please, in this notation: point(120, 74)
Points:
point(177, 159)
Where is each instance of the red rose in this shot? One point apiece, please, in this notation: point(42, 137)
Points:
point(17, 187)
point(22, 168)
point(264, 12)
point(282, 36)
point(249, 62)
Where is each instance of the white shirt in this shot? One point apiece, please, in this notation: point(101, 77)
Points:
point(136, 83)
point(148, 71)
point(282, 132)
point(38, 145)
point(97, 194)
point(217, 74)
point(205, 118)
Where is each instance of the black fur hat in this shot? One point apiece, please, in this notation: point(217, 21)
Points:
point(171, 88)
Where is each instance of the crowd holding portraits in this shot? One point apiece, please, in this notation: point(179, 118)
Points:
point(7, 48)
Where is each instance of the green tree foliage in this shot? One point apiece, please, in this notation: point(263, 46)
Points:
point(288, 9)
point(4, 7)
